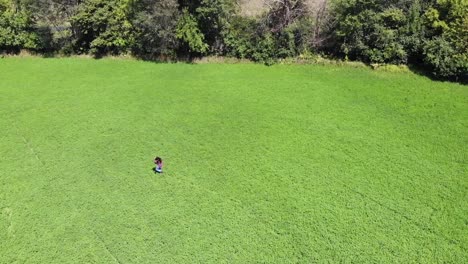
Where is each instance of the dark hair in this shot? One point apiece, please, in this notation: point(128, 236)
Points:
point(157, 159)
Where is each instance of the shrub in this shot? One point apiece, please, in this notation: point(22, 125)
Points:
point(188, 32)
point(155, 23)
point(444, 60)
point(102, 27)
point(16, 28)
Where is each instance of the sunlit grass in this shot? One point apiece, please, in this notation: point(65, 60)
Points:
point(262, 164)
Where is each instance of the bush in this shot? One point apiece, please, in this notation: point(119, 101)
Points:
point(101, 27)
point(445, 50)
point(188, 32)
point(247, 38)
point(262, 40)
point(155, 23)
point(52, 23)
point(445, 61)
point(16, 28)
point(241, 36)
point(264, 51)
point(205, 25)
point(370, 31)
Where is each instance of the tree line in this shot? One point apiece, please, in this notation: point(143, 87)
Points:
point(429, 33)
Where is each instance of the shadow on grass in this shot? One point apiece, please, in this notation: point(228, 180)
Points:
point(421, 71)
point(192, 59)
point(153, 170)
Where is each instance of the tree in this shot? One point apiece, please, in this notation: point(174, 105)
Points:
point(52, 19)
point(155, 23)
point(369, 30)
point(282, 13)
point(322, 24)
point(16, 27)
point(188, 31)
point(54, 13)
point(102, 27)
point(446, 50)
point(213, 18)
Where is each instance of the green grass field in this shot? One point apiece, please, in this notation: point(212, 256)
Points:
point(281, 164)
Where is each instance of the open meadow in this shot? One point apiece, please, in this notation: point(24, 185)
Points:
point(280, 164)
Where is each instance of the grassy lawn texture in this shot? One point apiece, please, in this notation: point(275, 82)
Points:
point(280, 164)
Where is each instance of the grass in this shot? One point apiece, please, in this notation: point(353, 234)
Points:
point(279, 164)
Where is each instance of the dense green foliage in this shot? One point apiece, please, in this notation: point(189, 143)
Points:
point(213, 18)
point(52, 19)
point(402, 31)
point(16, 27)
point(369, 31)
point(155, 24)
point(189, 33)
point(281, 164)
point(102, 27)
point(405, 31)
point(432, 34)
point(447, 50)
point(284, 31)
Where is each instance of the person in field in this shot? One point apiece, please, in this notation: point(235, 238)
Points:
point(159, 165)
